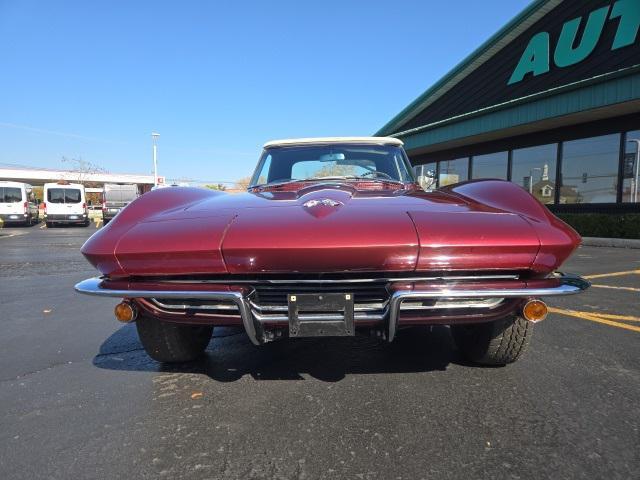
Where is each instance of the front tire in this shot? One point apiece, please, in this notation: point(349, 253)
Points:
point(497, 343)
point(172, 342)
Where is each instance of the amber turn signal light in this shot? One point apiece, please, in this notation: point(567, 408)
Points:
point(535, 311)
point(125, 312)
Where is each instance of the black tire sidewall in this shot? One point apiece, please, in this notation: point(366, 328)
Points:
point(171, 342)
point(496, 343)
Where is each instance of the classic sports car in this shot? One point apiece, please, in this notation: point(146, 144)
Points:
point(334, 237)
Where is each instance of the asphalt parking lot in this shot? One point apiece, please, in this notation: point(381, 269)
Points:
point(80, 398)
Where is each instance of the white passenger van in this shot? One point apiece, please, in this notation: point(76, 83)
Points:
point(65, 203)
point(17, 204)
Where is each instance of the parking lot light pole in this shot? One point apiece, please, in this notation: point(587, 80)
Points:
point(155, 158)
point(634, 187)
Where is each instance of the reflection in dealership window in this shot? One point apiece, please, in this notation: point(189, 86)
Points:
point(493, 165)
point(590, 170)
point(426, 176)
point(631, 169)
point(534, 169)
point(453, 171)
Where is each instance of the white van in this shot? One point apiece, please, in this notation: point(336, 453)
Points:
point(65, 203)
point(17, 204)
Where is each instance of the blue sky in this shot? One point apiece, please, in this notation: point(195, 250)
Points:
point(217, 79)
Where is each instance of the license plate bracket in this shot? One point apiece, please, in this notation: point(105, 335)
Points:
point(321, 315)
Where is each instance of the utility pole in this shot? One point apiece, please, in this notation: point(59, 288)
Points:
point(634, 180)
point(155, 158)
point(534, 169)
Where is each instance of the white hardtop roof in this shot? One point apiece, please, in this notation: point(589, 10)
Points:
point(329, 140)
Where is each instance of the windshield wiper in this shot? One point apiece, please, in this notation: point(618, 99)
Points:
point(335, 177)
point(278, 183)
point(356, 177)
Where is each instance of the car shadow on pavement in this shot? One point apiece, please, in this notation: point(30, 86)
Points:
point(70, 225)
point(230, 355)
point(17, 226)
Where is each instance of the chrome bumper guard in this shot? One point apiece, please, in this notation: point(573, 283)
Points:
point(564, 284)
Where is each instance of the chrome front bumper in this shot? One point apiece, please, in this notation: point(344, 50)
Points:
point(559, 284)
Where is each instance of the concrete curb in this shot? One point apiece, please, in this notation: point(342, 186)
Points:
point(610, 242)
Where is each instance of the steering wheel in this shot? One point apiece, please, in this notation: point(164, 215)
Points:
point(378, 173)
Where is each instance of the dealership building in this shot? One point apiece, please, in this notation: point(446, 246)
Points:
point(40, 176)
point(93, 181)
point(550, 102)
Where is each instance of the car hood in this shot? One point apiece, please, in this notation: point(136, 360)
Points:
point(322, 228)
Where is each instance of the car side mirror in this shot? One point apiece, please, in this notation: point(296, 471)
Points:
point(427, 181)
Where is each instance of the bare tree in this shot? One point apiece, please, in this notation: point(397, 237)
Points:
point(217, 186)
point(82, 169)
point(243, 183)
point(335, 171)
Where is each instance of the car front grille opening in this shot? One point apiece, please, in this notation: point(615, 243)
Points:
point(195, 305)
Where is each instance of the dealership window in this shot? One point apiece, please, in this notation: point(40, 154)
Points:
point(590, 170)
point(534, 169)
point(426, 175)
point(631, 169)
point(453, 171)
point(493, 165)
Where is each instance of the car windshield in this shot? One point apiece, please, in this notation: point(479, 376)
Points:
point(10, 195)
point(328, 162)
point(63, 195)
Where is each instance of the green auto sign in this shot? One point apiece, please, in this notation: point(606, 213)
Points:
point(536, 59)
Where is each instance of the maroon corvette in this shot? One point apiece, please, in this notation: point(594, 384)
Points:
point(333, 238)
